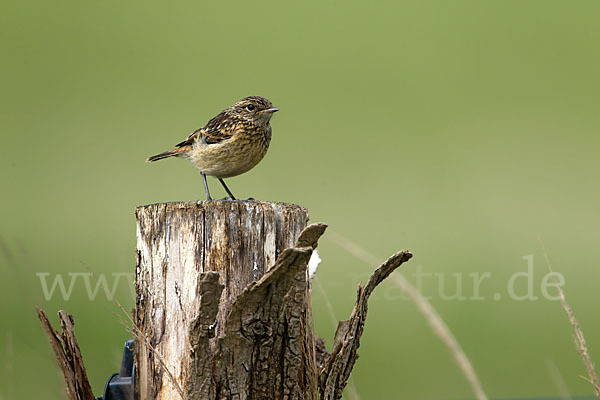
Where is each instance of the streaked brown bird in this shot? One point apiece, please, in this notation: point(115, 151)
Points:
point(230, 144)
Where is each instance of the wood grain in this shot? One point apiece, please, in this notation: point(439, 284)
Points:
point(177, 244)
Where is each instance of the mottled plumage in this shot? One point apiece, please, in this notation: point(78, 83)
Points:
point(231, 143)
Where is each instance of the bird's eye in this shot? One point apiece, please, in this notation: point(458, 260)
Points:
point(250, 107)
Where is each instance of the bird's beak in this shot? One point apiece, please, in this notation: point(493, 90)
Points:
point(271, 110)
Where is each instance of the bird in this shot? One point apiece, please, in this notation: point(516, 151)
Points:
point(230, 144)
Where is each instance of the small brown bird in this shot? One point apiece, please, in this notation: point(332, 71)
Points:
point(231, 143)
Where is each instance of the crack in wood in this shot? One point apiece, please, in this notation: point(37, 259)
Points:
point(216, 319)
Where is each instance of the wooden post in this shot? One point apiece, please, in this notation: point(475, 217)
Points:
point(178, 245)
point(223, 307)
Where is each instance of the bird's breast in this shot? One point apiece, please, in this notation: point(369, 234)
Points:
point(233, 156)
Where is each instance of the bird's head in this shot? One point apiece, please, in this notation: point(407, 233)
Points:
point(255, 109)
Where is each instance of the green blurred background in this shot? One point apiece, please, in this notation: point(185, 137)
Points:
point(465, 131)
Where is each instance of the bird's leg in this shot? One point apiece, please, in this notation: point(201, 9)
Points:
point(206, 187)
point(227, 189)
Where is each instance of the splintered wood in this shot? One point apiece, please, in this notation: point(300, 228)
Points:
point(178, 243)
point(223, 305)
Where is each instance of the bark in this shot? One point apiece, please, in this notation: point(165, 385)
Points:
point(179, 244)
point(335, 374)
point(223, 307)
point(267, 351)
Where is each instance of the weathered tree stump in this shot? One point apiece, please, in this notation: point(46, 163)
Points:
point(223, 307)
point(180, 305)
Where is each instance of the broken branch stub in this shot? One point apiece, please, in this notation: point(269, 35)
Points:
point(68, 355)
point(334, 375)
point(267, 350)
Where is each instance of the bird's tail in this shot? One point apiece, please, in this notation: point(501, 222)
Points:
point(166, 154)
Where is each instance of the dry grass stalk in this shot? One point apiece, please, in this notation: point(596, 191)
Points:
point(131, 328)
point(352, 390)
point(580, 343)
point(558, 380)
point(433, 318)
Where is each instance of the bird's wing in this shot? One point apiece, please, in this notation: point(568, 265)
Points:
point(215, 131)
